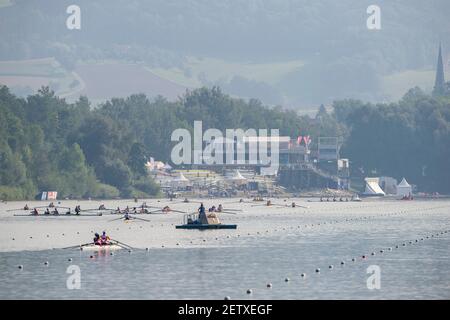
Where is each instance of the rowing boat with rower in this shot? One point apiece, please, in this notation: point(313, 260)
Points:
point(111, 245)
point(58, 215)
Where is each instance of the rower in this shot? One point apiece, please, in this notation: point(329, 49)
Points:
point(51, 205)
point(166, 209)
point(186, 200)
point(77, 210)
point(47, 211)
point(26, 207)
point(56, 212)
point(293, 205)
point(219, 208)
point(97, 240)
point(102, 207)
point(268, 203)
point(104, 238)
point(35, 212)
point(126, 216)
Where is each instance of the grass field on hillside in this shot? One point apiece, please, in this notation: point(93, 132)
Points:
point(197, 71)
point(32, 74)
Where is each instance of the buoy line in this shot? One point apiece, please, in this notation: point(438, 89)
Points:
point(357, 219)
point(284, 227)
point(365, 257)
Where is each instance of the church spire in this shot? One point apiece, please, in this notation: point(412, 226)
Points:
point(439, 85)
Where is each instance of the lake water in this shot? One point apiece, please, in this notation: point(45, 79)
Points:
point(269, 246)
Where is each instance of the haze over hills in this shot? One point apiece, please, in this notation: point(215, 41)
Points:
point(293, 53)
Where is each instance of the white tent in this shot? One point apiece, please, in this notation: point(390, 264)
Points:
point(373, 188)
point(404, 188)
point(181, 178)
point(238, 176)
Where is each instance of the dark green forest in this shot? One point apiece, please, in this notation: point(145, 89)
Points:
point(80, 151)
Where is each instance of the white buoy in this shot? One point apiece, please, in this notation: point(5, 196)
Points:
point(249, 291)
point(286, 280)
point(303, 275)
point(20, 266)
point(269, 285)
point(227, 298)
point(46, 263)
point(70, 259)
point(318, 270)
point(330, 266)
point(342, 263)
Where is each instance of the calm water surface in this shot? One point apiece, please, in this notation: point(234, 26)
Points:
point(231, 266)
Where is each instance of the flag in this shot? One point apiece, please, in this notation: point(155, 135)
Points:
point(307, 140)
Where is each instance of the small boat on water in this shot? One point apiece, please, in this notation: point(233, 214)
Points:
point(209, 221)
point(97, 247)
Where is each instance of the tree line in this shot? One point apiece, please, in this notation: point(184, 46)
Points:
point(47, 143)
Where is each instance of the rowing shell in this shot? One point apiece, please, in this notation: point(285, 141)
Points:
point(58, 215)
point(95, 247)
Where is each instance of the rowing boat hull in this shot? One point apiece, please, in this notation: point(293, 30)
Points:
point(57, 215)
point(206, 226)
point(94, 247)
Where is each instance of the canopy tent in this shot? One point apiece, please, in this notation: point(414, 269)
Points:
point(238, 176)
point(404, 189)
point(181, 178)
point(373, 188)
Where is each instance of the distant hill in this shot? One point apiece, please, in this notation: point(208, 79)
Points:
point(295, 53)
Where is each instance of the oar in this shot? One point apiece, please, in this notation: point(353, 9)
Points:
point(140, 219)
point(116, 219)
point(178, 211)
point(126, 246)
point(225, 211)
point(78, 246)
